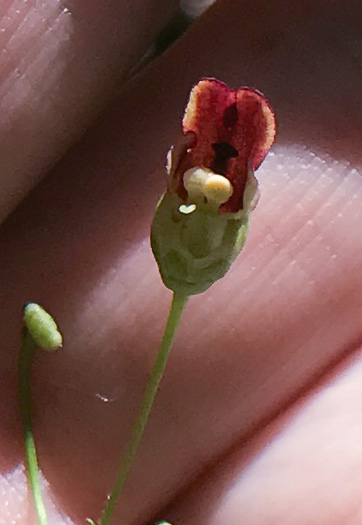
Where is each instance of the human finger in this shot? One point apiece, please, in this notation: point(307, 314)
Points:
point(61, 62)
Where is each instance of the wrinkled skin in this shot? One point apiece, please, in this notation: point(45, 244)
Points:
point(259, 417)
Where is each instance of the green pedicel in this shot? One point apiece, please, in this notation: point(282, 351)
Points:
point(40, 330)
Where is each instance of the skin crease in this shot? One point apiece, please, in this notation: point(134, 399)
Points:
point(252, 400)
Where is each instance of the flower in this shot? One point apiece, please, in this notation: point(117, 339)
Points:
point(201, 222)
point(225, 132)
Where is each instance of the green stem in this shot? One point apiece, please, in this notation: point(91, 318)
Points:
point(25, 361)
point(177, 307)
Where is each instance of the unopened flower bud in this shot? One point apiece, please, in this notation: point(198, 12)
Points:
point(42, 327)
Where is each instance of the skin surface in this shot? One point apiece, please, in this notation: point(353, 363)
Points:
point(259, 416)
point(61, 61)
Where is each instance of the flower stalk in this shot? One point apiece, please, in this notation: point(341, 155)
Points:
point(27, 353)
point(177, 307)
point(39, 331)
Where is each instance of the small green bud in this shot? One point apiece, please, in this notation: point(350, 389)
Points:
point(42, 327)
point(193, 245)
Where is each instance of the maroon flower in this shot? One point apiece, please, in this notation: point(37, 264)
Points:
point(229, 132)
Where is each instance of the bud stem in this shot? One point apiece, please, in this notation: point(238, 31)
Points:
point(27, 352)
point(174, 318)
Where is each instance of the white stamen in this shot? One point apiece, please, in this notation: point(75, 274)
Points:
point(201, 183)
point(218, 188)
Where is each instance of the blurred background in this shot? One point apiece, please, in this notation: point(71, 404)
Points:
point(186, 14)
point(195, 8)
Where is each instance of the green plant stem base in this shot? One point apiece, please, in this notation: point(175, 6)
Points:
point(26, 356)
point(177, 307)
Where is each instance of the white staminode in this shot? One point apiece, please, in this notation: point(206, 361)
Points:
point(186, 210)
point(202, 182)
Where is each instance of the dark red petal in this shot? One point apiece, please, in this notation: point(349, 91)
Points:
point(252, 137)
point(255, 132)
point(204, 116)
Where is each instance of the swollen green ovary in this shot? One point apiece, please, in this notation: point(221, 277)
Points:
point(194, 249)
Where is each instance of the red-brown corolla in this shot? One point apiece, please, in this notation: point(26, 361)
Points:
point(226, 132)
